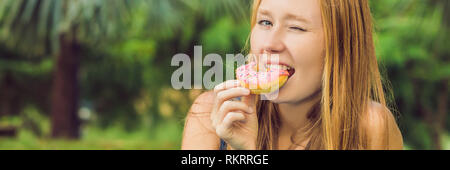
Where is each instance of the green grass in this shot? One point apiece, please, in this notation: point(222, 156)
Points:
point(446, 141)
point(165, 136)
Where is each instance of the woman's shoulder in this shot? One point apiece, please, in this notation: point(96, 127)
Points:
point(203, 103)
point(378, 115)
point(381, 127)
point(198, 130)
point(201, 109)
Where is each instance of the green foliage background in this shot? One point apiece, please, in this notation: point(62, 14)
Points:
point(127, 101)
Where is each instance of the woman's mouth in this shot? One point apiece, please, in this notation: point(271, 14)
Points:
point(289, 69)
point(291, 72)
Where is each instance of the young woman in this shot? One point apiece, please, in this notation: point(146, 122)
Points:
point(334, 99)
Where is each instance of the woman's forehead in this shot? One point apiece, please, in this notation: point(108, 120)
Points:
point(294, 9)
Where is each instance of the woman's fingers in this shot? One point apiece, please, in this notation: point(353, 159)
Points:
point(218, 89)
point(229, 106)
point(249, 100)
point(223, 129)
point(226, 95)
point(231, 93)
point(226, 85)
point(223, 93)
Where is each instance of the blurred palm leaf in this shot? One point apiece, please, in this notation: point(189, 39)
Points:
point(169, 16)
point(33, 26)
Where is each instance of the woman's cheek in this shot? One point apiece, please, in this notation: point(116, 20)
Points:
point(257, 37)
point(308, 60)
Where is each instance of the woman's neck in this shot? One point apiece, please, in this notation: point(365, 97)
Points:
point(294, 115)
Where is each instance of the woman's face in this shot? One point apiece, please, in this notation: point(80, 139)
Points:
point(292, 29)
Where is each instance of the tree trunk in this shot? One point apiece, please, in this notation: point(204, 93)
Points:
point(441, 117)
point(65, 92)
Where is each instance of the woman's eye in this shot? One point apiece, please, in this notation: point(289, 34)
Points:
point(297, 29)
point(265, 23)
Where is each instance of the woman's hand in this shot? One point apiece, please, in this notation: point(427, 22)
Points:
point(235, 121)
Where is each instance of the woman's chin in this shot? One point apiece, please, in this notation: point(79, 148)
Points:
point(278, 96)
point(273, 96)
point(284, 94)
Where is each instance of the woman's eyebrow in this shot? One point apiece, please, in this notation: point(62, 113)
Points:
point(288, 16)
point(264, 12)
point(291, 16)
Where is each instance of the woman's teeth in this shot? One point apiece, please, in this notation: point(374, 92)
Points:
point(278, 67)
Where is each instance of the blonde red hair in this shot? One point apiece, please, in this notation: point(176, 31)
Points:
point(351, 81)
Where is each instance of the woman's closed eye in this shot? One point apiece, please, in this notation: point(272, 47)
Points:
point(297, 28)
point(267, 23)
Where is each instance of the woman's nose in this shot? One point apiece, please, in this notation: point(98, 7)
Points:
point(273, 42)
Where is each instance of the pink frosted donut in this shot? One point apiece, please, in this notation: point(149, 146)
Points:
point(261, 80)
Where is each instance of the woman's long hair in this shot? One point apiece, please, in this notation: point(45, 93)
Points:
point(350, 81)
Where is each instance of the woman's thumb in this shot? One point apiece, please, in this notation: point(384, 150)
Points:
point(250, 100)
